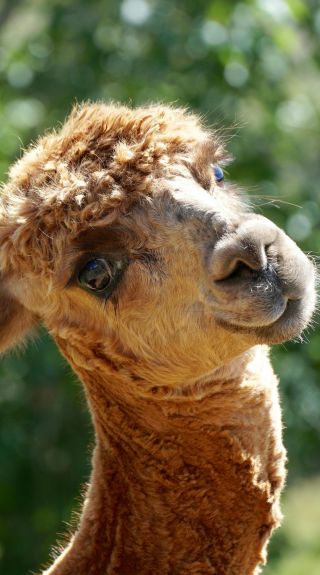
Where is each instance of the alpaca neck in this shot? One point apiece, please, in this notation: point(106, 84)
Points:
point(177, 485)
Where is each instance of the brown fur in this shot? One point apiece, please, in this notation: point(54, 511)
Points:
point(189, 463)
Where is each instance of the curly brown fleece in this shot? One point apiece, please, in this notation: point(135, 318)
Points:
point(104, 159)
point(189, 463)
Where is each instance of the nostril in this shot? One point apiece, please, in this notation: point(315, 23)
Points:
point(241, 271)
point(233, 258)
point(244, 252)
point(252, 255)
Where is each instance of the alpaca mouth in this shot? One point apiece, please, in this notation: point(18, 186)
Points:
point(264, 305)
point(293, 319)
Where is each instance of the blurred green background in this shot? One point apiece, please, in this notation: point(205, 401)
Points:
point(251, 66)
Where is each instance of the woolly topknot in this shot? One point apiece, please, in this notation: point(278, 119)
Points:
point(104, 158)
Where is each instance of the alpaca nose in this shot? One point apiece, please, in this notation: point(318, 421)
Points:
point(244, 251)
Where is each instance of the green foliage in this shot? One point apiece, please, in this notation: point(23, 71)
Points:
point(251, 67)
point(45, 434)
point(295, 549)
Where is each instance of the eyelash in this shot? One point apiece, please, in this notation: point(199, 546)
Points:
point(149, 259)
point(100, 276)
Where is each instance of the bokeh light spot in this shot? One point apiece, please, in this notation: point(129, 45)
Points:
point(19, 75)
point(40, 49)
point(135, 12)
point(298, 227)
point(25, 113)
point(236, 74)
point(295, 113)
point(277, 9)
point(213, 33)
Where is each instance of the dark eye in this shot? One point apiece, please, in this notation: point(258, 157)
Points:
point(218, 173)
point(100, 275)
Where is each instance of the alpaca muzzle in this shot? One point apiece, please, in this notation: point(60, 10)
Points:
point(261, 278)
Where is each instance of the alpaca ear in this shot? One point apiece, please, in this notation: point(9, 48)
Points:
point(15, 321)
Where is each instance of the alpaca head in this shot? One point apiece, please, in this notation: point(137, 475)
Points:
point(118, 233)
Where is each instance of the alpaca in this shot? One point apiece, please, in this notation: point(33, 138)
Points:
point(163, 290)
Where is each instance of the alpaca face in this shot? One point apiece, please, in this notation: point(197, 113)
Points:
point(178, 280)
point(181, 284)
point(200, 285)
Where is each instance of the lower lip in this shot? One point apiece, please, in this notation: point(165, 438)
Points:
point(274, 310)
point(288, 325)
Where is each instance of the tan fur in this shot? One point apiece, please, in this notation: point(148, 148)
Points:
point(189, 463)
